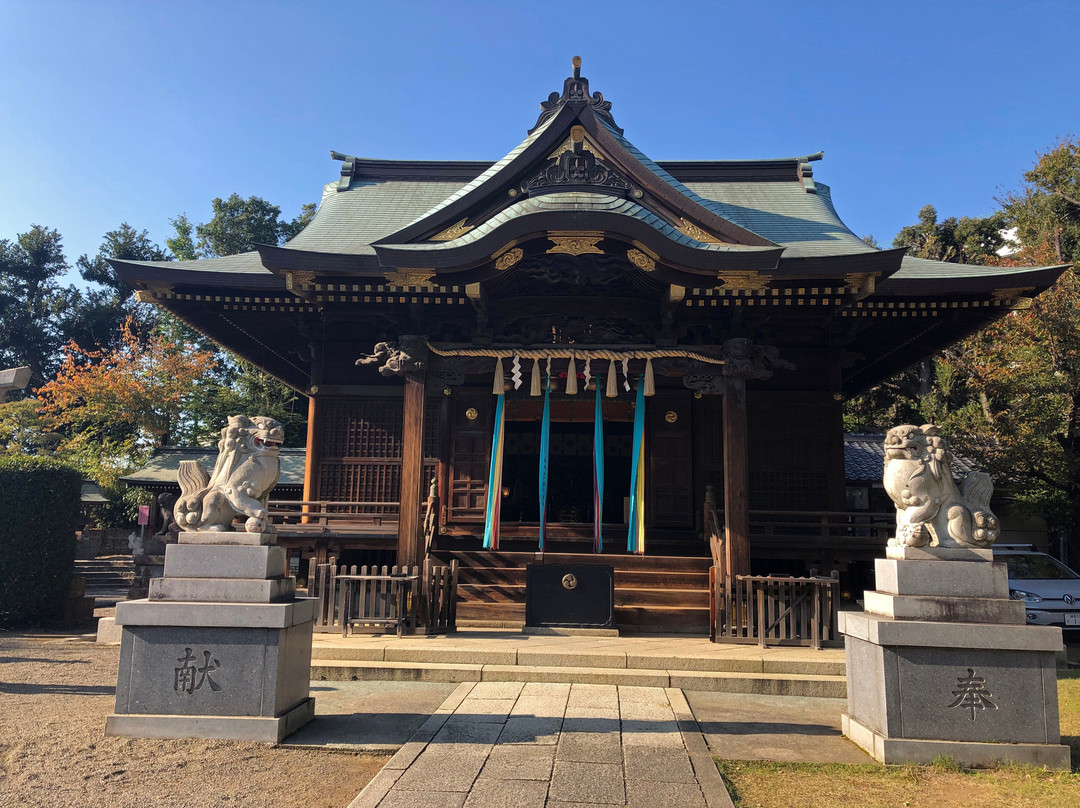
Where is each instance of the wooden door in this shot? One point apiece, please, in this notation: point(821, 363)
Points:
point(470, 454)
point(669, 480)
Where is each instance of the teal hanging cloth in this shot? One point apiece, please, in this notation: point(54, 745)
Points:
point(494, 490)
point(545, 448)
point(635, 540)
point(598, 472)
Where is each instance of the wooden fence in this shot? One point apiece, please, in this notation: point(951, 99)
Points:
point(766, 609)
point(428, 605)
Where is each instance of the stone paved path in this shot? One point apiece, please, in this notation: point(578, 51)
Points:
point(530, 745)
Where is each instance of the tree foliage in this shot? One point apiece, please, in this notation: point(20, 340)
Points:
point(32, 301)
point(112, 407)
point(239, 224)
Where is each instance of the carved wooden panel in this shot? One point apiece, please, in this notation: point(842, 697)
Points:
point(669, 480)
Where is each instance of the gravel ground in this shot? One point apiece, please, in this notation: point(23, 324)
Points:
point(54, 696)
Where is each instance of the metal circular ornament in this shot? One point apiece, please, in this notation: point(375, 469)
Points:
point(671, 416)
point(472, 414)
point(569, 581)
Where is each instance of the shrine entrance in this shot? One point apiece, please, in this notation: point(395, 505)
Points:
point(570, 474)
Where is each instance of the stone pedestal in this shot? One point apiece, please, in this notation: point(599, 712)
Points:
point(220, 649)
point(942, 663)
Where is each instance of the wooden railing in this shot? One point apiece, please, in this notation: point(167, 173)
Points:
point(783, 610)
point(429, 606)
point(297, 516)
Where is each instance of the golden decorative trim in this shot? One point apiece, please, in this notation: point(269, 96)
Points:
point(671, 416)
point(1022, 304)
point(411, 277)
point(575, 242)
point(640, 260)
point(744, 282)
point(295, 280)
point(472, 414)
point(1010, 294)
point(453, 232)
point(508, 259)
point(144, 296)
point(568, 146)
point(696, 233)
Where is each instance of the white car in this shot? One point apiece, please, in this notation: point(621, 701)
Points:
point(1050, 590)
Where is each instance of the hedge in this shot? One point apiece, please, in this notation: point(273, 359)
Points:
point(39, 509)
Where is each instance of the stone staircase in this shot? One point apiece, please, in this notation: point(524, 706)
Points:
point(652, 593)
point(584, 660)
point(108, 577)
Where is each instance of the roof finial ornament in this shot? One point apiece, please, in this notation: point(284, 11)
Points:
point(575, 91)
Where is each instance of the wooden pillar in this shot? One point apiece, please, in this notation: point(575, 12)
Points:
point(410, 549)
point(313, 455)
point(736, 477)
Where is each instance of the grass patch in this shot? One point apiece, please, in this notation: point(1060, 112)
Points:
point(944, 784)
point(763, 784)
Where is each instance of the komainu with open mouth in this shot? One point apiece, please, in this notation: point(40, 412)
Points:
point(930, 507)
point(247, 469)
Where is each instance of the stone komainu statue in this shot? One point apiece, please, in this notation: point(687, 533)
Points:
point(929, 505)
point(246, 470)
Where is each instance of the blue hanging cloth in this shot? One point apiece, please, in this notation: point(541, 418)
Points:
point(598, 472)
point(494, 491)
point(545, 448)
point(635, 540)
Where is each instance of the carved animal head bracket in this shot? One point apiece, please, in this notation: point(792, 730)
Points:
point(405, 357)
point(745, 359)
point(575, 90)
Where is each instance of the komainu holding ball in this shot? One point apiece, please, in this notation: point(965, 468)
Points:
point(247, 469)
point(929, 505)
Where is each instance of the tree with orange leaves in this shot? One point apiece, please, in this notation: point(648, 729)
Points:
point(113, 407)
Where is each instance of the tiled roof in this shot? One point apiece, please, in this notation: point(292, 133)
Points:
point(160, 469)
point(864, 458)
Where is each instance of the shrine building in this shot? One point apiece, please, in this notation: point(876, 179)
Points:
point(581, 351)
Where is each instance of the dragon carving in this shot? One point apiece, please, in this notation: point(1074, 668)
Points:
point(246, 470)
point(929, 505)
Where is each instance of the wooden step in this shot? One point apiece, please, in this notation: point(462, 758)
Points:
point(638, 579)
point(645, 598)
point(502, 559)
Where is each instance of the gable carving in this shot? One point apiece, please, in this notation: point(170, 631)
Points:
point(579, 167)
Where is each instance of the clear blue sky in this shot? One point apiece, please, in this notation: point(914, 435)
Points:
point(138, 111)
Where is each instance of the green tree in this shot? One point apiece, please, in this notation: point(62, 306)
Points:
point(32, 301)
point(968, 240)
point(182, 245)
point(96, 315)
point(239, 224)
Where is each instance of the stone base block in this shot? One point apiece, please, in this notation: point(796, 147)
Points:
point(221, 670)
point(227, 537)
point(927, 689)
point(972, 754)
point(942, 578)
point(230, 728)
point(946, 609)
point(224, 561)
point(939, 553)
point(223, 590)
point(108, 633)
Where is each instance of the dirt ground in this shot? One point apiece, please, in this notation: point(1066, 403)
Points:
point(54, 696)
